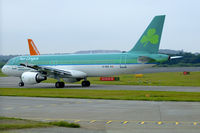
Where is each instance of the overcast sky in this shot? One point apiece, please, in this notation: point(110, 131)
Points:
point(66, 26)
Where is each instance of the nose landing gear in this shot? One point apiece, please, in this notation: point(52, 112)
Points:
point(21, 84)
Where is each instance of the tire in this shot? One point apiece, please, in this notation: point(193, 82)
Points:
point(85, 83)
point(59, 84)
point(62, 84)
point(21, 84)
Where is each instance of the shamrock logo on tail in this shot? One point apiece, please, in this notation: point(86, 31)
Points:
point(150, 37)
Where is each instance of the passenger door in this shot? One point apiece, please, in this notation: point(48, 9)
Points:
point(123, 61)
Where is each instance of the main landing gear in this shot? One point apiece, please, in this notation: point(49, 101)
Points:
point(85, 83)
point(59, 84)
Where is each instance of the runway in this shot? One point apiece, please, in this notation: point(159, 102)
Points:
point(107, 115)
point(12, 82)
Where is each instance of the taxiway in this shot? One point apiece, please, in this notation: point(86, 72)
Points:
point(12, 82)
point(107, 115)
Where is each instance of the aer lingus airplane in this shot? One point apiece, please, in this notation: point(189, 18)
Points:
point(76, 67)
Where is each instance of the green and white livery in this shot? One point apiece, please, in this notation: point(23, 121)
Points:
point(76, 67)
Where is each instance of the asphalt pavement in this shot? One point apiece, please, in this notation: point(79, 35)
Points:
point(106, 115)
point(12, 82)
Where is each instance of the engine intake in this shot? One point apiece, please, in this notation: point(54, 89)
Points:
point(32, 77)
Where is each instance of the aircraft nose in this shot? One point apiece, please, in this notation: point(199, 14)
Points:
point(3, 69)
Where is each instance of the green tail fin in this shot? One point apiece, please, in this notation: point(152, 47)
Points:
point(150, 40)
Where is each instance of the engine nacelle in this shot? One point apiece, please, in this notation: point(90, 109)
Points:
point(32, 77)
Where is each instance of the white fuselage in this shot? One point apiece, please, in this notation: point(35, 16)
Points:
point(90, 70)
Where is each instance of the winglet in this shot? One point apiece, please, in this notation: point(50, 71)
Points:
point(32, 48)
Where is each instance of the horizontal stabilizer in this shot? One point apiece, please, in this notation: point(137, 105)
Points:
point(175, 57)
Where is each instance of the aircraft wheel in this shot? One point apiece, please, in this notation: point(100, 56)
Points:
point(59, 84)
point(21, 84)
point(62, 84)
point(85, 83)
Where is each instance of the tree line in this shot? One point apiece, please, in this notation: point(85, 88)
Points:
point(187, 60)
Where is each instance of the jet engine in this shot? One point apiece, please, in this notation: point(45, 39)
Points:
point(32, 77)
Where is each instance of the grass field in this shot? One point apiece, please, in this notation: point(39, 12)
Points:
point(7, 123)
point(103, 94)
point(152, 79)
point(16, 123)
point(1, 74)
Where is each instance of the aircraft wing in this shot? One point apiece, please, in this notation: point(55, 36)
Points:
point(53, 71)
